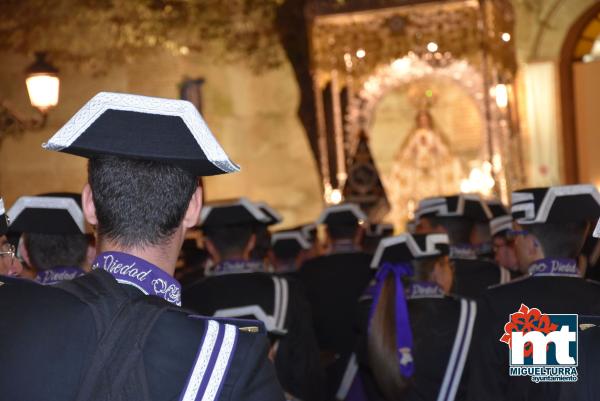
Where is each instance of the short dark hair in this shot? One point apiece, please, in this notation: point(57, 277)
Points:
point(229, 241)
point(139, 202)
point(47, 251)
point(560, 240)
point(263, 242)
point(458, 228)
point(342, 231)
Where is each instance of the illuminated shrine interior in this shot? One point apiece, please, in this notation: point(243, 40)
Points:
point(380, 102)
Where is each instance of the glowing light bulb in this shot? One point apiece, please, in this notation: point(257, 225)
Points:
point(432, 47)
point(43, 91)
point(336, 196)
point(501, 95)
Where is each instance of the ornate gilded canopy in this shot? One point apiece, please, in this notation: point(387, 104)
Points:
point(361, 50)
point(387, 34)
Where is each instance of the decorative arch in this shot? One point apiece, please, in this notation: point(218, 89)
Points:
point(402, 71)
point(575, 46)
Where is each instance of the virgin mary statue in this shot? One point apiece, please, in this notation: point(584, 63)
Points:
point(423, 166)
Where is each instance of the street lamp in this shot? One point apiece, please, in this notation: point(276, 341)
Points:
point(43, 84)
point(43, 88)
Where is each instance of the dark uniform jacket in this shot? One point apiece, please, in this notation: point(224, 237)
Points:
point(489, 375)
point(333, 284)
point(47, 337)
point(280, 303)
point(587, 387)
point(473, 274)
point(442, 331)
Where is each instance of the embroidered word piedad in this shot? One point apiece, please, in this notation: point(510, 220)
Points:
point(554, 267)
point(131, 270)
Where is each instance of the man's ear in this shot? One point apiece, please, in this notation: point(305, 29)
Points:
point(22, 251)
point(192, 215)
point(87, 202)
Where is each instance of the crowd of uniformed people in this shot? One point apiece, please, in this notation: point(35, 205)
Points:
point(136, 290)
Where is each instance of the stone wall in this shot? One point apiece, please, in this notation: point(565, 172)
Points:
point(254, 118)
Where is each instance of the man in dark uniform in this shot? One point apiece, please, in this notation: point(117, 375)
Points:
point(334, 282)
point(288, 250)
point(455, 216)
point(588, 342)
point(229, 236)
point(117, 333)
point(503, 245)
point(553, 224)
point(53, 241)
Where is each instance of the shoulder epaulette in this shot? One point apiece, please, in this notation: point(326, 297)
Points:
point(460, 349)
point(245, 325)
point(212, 362)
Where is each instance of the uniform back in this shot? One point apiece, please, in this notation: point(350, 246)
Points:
point(60, 334)
point(334, 283)
point(550, 294)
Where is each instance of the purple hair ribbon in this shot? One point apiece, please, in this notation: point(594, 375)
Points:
point(404, 338)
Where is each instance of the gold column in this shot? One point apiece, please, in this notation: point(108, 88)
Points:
point(322, 140)
point(338, 130)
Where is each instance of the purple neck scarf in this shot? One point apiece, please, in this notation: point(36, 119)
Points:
point(554, 267)
point(424, 289)
point(58, 274)
point(235, 266)
point(404, 339)
point(143, 275)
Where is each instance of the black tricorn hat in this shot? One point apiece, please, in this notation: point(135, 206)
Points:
point(309, 231)
point(468, 206)
point(501, 224)
point(344, 214)
point(559, 204)
point(234, 212)
point(497, 208)
point(46, 215)
point(288, 242)
point(406, 247)
point(272, 214)
point(141, 127)
point(379, 230)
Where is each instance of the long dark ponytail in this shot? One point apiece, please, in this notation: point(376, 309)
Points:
point(381, 343)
